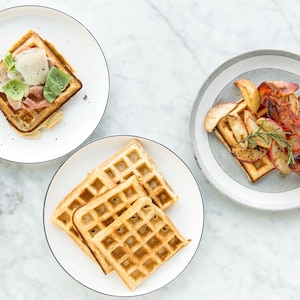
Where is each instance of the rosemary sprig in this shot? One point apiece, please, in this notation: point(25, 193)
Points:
point(272, 135)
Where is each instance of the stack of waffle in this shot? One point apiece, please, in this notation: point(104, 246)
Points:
point(116, 216)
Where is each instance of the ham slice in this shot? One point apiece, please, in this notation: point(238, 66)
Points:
point(34, 100)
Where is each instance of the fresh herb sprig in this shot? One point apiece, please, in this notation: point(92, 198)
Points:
point(267, 136)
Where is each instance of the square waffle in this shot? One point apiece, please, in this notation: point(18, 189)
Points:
point(256, 170)
point(95, 216)
point(133, 159)
point(130, 160)
point(139, 241)
point(95, 183)
point(29, 122)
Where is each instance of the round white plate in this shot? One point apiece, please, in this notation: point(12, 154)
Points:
point(187, 215)
point(273, 192)
point(85, 110)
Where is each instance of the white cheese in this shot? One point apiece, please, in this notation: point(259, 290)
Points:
point(33, 65)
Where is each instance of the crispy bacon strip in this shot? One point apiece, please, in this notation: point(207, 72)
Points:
point(275, 96)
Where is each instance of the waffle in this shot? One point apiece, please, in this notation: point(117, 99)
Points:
point(133, 159)
point(94, 184)
point(256, 170)
point(139, 241)
point(95, 216)
point(28, 123)
point(130, 160)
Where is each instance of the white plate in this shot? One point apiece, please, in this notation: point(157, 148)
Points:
point(186, 214)
point(85, 110)
point(274, 192)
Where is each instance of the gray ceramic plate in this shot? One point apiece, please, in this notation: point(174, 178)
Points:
point(274, 192)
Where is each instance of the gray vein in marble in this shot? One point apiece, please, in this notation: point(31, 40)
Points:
point(173, 28)
point(288, 20)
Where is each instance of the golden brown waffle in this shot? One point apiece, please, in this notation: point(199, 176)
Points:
point(130, 160)
point(103, 210)
point(254, 171)
point(133, 159)
point(29, 123)
point(139, 241)
point(94, 184)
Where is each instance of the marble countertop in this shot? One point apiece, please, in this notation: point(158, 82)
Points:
point(159, 53)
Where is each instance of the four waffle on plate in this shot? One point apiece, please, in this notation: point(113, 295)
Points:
point(35, 81)
point(116, 215)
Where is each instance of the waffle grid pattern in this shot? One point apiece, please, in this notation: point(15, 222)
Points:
point(135, 161)
point(103, 210)
point(139, 242)
point(96, 183)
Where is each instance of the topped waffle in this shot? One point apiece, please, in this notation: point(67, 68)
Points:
point(262, 131)
point(224, 132)
point(139, 241)
point(36, 81)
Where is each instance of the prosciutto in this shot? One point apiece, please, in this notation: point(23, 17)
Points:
point(34, 100)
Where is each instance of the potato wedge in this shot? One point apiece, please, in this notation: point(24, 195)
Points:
point(252, 128)
point(239, 130)
point(249, 93)
point(270, 125)
point(216, 113)
point(248, 155)
point(249, 114)
point(279, 158)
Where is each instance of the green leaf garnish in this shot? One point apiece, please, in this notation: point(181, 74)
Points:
point(14, 89)
point(274, 135)
point(9, 62)
point(56, 82)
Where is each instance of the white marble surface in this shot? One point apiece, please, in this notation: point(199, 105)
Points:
point(159, 53)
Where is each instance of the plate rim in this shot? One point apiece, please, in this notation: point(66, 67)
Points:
point(192, 130)
point(141, 138)
point(65, 14)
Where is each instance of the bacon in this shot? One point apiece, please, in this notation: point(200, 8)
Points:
point(282, 106)
point(276, 91)
point(272, 110)
point(295, 142)
point(288, 119)
point(285, 88)
point(295, 167)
